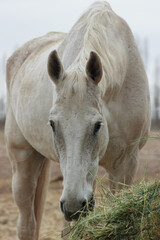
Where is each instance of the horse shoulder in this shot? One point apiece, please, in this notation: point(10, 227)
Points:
point(33, 46)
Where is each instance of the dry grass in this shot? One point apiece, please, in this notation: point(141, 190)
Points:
point(131, 214)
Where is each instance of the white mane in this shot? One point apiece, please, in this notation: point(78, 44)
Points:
point(97, 25)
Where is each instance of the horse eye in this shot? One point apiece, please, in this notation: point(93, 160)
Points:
point(52, 125)
point(97, 127)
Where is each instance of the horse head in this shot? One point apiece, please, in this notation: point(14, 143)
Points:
point(80, 131)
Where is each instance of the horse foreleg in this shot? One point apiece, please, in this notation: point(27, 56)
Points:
point(41, 192)
point(30, 175)
point(27, 186)
point(124, 174)
point(24, 187)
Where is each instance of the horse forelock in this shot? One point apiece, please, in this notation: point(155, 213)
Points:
point(74, 83)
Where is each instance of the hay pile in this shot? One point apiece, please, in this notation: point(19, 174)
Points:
point(131, 214)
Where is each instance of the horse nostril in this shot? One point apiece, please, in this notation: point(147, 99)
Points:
point(61, 206)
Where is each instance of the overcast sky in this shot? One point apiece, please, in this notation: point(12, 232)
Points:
point(22, 20)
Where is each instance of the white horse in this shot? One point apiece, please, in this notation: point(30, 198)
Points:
point(91, 86)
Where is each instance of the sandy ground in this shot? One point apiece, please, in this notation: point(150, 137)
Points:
point(52, 219)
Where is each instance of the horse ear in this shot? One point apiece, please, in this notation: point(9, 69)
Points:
point(94, 67)
point(55, 68)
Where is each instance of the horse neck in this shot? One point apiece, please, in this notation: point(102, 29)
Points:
point(71, 47)
point(75, 49)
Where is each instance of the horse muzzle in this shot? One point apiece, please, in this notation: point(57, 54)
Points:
point(82, 210)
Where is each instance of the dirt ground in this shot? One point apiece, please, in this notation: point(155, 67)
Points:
point(52, 219)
